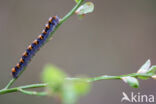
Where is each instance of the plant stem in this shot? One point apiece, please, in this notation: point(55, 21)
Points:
point(69, 14)
point(4, 91)
point(33, 92)
point(10, 83)
point(104, 77)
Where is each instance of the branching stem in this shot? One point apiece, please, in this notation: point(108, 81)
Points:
point(104, 77)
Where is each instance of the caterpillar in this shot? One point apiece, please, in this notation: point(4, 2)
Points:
point(35, 46)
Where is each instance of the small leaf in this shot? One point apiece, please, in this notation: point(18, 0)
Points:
point(144, 68)
point(88, 7)
point(53, 76)
point(133, 82)
point(152, 70)
point(77, 1)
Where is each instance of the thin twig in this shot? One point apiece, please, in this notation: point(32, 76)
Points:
point(10, 83)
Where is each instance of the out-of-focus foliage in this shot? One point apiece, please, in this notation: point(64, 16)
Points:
point(77, 1)
point(54, 77)
point(81, 86)
point(68, 90)
point(73, 89)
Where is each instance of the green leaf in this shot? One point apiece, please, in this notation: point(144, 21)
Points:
point(53, 76)
point(145, 67)
point(88, 7)
point(77, 1)
point(133, 82)
point(152, 70)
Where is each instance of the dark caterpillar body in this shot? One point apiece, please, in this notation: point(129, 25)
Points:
point(34, 47)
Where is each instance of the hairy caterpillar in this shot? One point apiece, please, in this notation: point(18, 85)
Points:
point(34, 47)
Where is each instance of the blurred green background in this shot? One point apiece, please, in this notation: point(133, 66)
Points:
point(117, 38)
